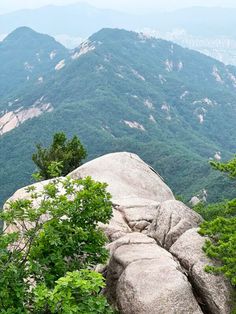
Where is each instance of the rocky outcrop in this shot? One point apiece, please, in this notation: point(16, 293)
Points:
point(156, 263)
point(12, 119)
point(214, 291)
point(128, 178)
point(144, 278)
point(173, 218)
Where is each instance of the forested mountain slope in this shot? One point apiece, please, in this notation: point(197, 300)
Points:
point(25, 56)
point(119, 91)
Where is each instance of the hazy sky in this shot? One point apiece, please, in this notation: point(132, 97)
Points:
point(124, 5)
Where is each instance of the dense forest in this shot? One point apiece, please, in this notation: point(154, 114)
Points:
point(119, 91)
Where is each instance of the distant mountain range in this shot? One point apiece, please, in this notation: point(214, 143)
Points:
point(208, 30)
point(118, 91)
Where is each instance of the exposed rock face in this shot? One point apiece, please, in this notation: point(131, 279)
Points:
point(144, 278)
point(127, 176)
point(213, 290)
point(173, 218)
point(156, 261)
point(136, 190)
point(194, 201)
point(13, 119)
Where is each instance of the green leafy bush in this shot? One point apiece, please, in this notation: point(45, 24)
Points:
point(77, 292)
point(229, 167)
point(214, 210)
point(51, 248)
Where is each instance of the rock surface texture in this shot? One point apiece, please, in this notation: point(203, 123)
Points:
point(156, 261)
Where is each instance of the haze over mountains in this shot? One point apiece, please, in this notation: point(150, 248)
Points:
point(119, 90)
point(195, 28)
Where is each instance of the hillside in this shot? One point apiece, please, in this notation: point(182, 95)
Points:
point(122, 90)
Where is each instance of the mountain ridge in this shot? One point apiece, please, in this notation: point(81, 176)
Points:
point(122, 90)
point(24, 54)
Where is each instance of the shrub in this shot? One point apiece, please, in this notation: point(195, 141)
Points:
point(53, 249)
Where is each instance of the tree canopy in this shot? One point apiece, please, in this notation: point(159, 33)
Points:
point(60, 158)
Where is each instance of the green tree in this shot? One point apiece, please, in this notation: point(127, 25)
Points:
point(212, 211)
point(60, 158)
point(229, 167)
point(222, 232)
point(48, 251)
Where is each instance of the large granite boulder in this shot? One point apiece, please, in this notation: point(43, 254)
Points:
point(136, 190)
point(25, 193)
point(128, 178)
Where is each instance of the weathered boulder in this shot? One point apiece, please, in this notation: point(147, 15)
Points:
point(136, 190)
point(24, 193)
point(144, 278)
point(214, 291)
point(148, 286)
point(130, 238)
point(127, 176)
point(138, 213)
point(117, 226)
point(172, 219)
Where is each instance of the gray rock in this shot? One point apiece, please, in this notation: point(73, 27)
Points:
point(138, 213)
point(25, 193)
point(127, 176)
point(173, 218)
point(148, 286)
point(144, 278)
point(214, 291)
point(135, 188)
point(117, 227)
point(131, 238)
point(194, 201)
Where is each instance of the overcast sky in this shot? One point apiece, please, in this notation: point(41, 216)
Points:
point(124, 5)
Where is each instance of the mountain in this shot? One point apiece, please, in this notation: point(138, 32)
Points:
point(25, 56)
point(122, 90)
point(194, 27)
